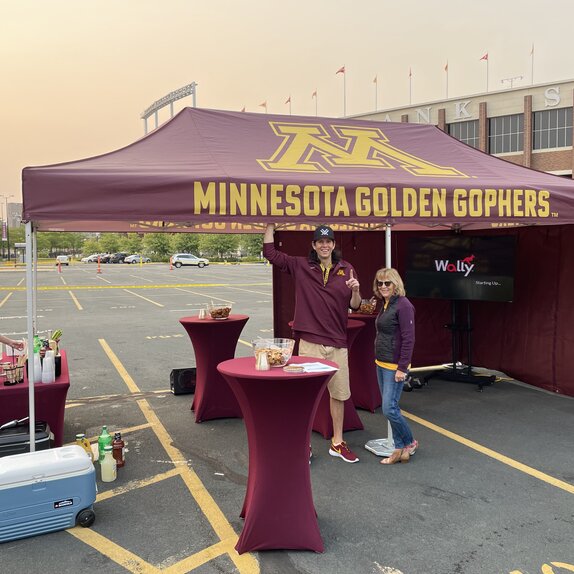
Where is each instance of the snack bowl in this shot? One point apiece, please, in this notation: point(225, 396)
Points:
point(278, 351)
point(219, 311)
point(368, 307)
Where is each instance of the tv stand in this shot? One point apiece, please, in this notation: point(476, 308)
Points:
point(458, 372)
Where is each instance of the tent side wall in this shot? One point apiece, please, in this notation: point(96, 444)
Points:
point(530, 339)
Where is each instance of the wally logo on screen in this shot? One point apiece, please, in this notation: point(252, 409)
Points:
point(464, 266)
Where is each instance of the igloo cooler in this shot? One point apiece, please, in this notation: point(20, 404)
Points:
point(45, 491)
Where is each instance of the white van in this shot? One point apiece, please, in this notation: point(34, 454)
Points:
point(62, 260)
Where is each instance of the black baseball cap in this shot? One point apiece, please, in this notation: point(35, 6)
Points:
point(323, 232)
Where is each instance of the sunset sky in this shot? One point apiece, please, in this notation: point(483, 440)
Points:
point(76, 75)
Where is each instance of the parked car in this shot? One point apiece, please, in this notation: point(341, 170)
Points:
point(117, 257)
point(62, 260)
point(137, 258)
point(104, 257)
point(92, 258)
point(180, 259)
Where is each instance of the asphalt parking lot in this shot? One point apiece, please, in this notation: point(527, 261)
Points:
point(491, 489)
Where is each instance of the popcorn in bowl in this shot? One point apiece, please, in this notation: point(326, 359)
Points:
point(219, 310)
point(278, 351)
point(368, 307)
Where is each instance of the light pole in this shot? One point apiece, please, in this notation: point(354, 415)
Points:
point(7, 225)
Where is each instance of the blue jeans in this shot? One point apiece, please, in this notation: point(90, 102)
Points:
point(391, 393)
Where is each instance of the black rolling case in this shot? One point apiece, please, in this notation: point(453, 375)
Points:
point(15, 437)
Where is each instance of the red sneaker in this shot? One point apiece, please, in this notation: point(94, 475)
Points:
point(344, 452)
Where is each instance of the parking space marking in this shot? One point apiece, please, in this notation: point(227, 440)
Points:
point(493, 454)
point(113, 551)
point(6, 298)
point(156, 286)
point(245, 563)
point(134, 485)
point(142, 278)
point(251, 291)
point(144, 298)
point(75, 300)
point(203, 295)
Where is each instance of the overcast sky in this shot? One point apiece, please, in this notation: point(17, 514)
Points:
point(75, 75)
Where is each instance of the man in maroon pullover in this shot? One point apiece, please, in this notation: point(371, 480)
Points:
point(325, 288)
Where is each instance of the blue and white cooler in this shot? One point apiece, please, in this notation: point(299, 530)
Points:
point(45, 491)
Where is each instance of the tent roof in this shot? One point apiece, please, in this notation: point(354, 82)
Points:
point(218, 170)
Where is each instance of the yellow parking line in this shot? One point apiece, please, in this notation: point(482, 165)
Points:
point(144, 298)
point(135, 484)
point(80, 308)
point(245, 563)
point(6, 299)
point(156, 286)
point(495, 455)
point(128, 560)
point(199, 558)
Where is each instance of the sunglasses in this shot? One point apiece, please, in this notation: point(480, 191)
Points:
point(385, 283)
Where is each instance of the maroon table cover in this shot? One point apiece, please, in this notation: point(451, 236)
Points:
point(365, 391)
point(213, 341)
point(278, 409)
point(49, 400)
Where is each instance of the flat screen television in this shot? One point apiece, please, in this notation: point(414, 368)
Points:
point(461, 267)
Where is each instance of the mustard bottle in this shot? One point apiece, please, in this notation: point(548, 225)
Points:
point(82, 441)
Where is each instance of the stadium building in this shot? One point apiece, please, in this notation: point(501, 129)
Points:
point(530, 126)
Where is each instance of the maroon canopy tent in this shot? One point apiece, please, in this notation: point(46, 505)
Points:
point(209, 167)
point(216, 171)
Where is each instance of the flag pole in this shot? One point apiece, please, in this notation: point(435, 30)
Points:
point(343, 71)
point(485, 57)
point(344, 94)
point(532, 65)
point(446, 70)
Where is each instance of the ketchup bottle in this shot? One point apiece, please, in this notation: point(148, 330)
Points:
point(118, 449)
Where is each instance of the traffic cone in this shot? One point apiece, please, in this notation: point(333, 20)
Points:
point(99, 268)
point(59, 267)
point(170, 265)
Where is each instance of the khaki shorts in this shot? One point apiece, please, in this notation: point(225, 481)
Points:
point(339, 387)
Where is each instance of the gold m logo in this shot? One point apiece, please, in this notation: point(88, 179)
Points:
point(309, 148)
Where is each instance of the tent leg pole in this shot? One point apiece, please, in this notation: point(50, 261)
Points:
point(30, 319)
point(384, 446)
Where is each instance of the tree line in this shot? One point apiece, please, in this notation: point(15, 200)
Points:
point(156, 246)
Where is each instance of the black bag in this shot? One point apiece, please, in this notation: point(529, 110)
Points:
point(182, 381)
point(15, 437)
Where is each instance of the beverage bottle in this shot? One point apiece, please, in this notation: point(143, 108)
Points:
point(104, 440)
point(82, 441)
point(118, 450)
point(108, 465)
